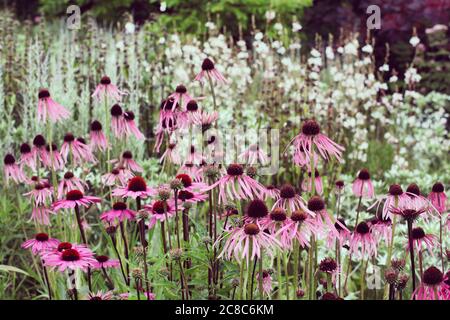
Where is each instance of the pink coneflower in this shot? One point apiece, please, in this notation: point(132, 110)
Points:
point(205, 119)
point(68, 183)
point(236, 185)
point(422, 240)
point(432, 286)
point(255, 212)
point(12, 170)
point(329, 265)
point(180, 94)
point(117, 122)
point(418, 201)
point(307, 183)
point(191, 197)
point(106, 89)
point(38, 149)
point(194, 157)
point(272, 193)
point(239, 240)
point(119, 212)
point(363, 244)
point(408, 214)
point(100, 296)
point(339, 186)
point(438, 198)
point(323, 219)
point(41, 193)
point(302, 160)
point(41, 243)
point(254, 155)
point(118, 176)
point(362, 186)
point(209, 71)
point(126, 161)
point(98, 139)
point(160, 210)
point(78, 150)
point(168, 115)
point(70, 256)
point(136, 187)
point(189, 184)
point(395, 198)
point(290, 200)
point(150, 295)
point(195, 172)
point(266, 282)
point(48, 108)
point(382, 229)
point(75, 198)
point(52, 158)
point(310, 137)
point(26, 157)
point(171, 154)
point(131, 128)
point(299, 226)
point(104, 262)
point(41, 214)
point(341, 237)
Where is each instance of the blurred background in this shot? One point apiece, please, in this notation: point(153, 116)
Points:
point(317, 18)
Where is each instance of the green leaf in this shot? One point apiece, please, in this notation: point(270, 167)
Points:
point(12, 269)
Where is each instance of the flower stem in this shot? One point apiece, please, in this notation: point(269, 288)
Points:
point(411, 253)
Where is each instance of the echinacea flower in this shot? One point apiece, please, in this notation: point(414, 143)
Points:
point(41, 214)
point(362, 186)
point(136, 187)
point(205, 119)
point(180, 95)
point(382, 229)
point(106, 89)
point(52, 158)
point(408, 214)
point(150, 295)
point(171, 154)
point(255, 211)
point(75, 198)
point(254, 155)
point(300, 226)
point(266, 282)
point(191, 197)
point(271, 193)
point(395, 198)
point(26, 157)
point(432, 286)
point(339, 186)
point(119, 212)
point(117, 121)
point(40, 243)
point(99, 295)
point(307, 183)
point(362, 243)
point(290, 200)
point(68, 183)
point(301, 159)
point(48, 108)
point(311, 137)
point(329, 265)
point(438, 197)
point(418, 201)
point(342, 237)
point(325, 223)
point(188, 183)
point(131, 128)
point(69, 256)
point(247, 242)
point(98, 140)
point(118, 176)
point(126, 161)
point(12, 170)
point(104, 262)
point(160, 210)
point(79, 151)
point(41, 193)
point(210, 71)
point(236, 185)
point(38, 150)
point(422, 240)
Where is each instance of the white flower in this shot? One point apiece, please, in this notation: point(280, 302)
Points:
point(278, 26)
point(163, 6)
point(296, 26)
point(315, 53)
point(270, 15)
point(329, 53)
point(367, 48)
point(351, 49)
point(210, 25)
point(384, 67)
point(130, 27)
point(393, 79)
point(414, 41)
point(259, 36)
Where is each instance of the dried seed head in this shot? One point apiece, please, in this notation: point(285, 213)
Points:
point(176, 254)
point(164, 193)
point(328, 265)
point(111, 230)
point(211, 172)
point(402, 281)
point(136, 273)
point(252, 172)
point(142, 215)
point(391, 275)
point(398, 264)
point(176, 184)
